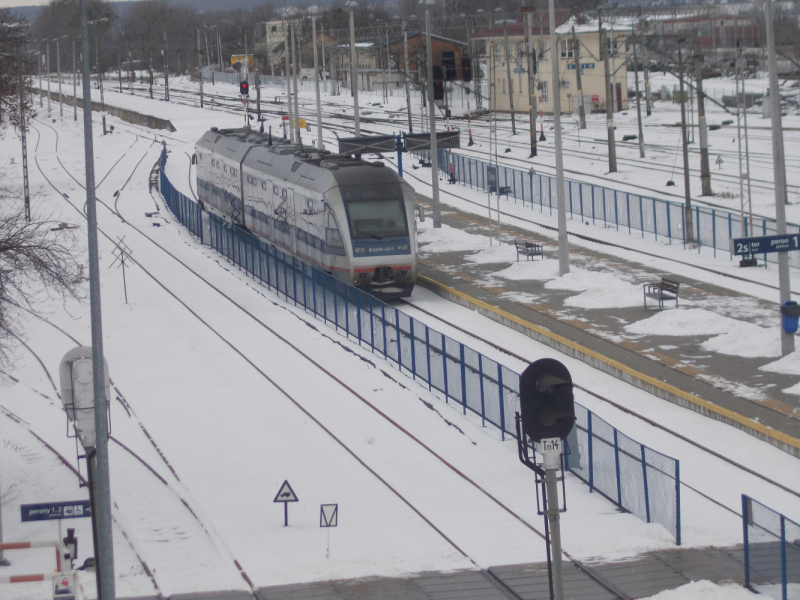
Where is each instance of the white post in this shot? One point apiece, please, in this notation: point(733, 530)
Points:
point(563, 242)
point(320, 145)
point(437, 209)
point(354, 70)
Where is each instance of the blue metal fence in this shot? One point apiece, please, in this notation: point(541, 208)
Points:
point(713, 227)
point(632, 476)
point(771, 551)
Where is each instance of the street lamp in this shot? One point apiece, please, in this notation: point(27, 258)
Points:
point(47, 67)
point(314, 11)
point(437, 209)
point(74, 82)
point(291, 76)
point(58, 66)
point(352, 5)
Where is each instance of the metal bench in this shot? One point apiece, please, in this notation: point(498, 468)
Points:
point(528, 249)
point(666, 289)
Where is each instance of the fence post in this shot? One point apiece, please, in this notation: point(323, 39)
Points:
point(346, 310)
point(616, 464)
point(784, 594)
point(616, 210)
point(502, 404)
point(641, 215)
point(746, 538)
point(335, 305)
point(678, 502)
point(444, 370)
point(397, 332)
point(580, 199)
point(589, 443)
point(383, 327)
point(428, 353)
point(628, 204)
point(714, 231)
point(358, 314)
point(646, 489)
point(669, 222)
point(413, 349)
point(593, 211)
point(463, 380)
point(371, 325)
point(480, 374)
point(303, 277)
point(655, 221)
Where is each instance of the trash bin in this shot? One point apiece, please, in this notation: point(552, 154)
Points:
point(790, 313)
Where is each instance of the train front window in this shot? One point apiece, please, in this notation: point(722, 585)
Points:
point(375, 212)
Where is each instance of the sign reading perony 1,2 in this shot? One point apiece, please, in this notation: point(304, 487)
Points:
point(765, 244)
point(50, 511)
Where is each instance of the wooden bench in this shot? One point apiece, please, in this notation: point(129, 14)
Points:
point(666, 289)
point(528, 249)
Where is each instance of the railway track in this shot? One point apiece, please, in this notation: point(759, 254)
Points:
point(338, 382)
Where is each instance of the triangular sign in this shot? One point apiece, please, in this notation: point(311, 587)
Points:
point(286, 493)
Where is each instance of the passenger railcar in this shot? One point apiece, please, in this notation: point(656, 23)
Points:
point(349, 217)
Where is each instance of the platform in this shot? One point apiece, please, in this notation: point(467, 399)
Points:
point(675, 367)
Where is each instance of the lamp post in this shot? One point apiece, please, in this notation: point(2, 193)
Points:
point(285, 16)
point(39, 61)
point(74, 83)
point(563, 242)
point(101, 485)
point(437, 209)
point(58, 66)
point(47, 68)
point(352, 4)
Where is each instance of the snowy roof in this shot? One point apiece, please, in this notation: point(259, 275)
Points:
point(592, 25)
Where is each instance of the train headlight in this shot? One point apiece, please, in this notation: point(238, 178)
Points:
point(402, 247)
point(360, 250)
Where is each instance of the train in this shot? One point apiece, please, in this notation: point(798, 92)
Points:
point(350, 217)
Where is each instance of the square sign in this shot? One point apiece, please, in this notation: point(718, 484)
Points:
point(329, 515)
point(64, 586)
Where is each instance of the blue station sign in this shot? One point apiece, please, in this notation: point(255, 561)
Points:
point(50, 511)
point(583, 66)
point(765, 244)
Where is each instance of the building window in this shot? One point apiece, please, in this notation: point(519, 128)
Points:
point(520, 50)
point(543, 91)
point(567, 49)
point(612, 46)
point(498, 52)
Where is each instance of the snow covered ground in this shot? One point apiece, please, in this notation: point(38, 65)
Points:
point(232, 436)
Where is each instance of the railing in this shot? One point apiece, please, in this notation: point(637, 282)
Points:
point(771, 551)
point(632, 476)
point(713, 227)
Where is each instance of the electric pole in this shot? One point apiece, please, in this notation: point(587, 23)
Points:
point(612, 148)
point(779, 170)
point(638, 99)
point(563, 242)
point(354, 71)
point(320, 145)
point(98, 459)
point(510, 81)
point(166, 70)
point(647, 97)
point(531, 79)
point(705, 170)
point(687, 209)
point(200, 68)
point(407, 76)
point(437, 209)
point(576, 47)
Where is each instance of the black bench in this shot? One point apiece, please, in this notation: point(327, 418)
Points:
point(666, 289)
point(528, 249)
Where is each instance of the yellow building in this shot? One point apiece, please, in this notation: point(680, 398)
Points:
point(587, 36)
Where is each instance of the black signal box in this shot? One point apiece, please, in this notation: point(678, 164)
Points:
point(547, 401)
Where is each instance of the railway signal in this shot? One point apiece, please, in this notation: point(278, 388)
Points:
point(438, 83)
point(548, 415)
point(244, 88)
point(466, 69)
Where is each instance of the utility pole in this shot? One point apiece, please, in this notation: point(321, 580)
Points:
point(687, 209)
point(98, 459)
point(296, 78)
point(510, 81)
point(531, 79)
point(407, 76)
point(779, 170)
point(705, 170)
point(25, 183)
point(576, 47)
point(119, 69)
point(58, 67)
point(320, 145)
point(354, 71)
point(648, 101)
point(563, 242)
point(287, 53)
point(612, 148)
point(74, 84)
point(437, 209)
point(166, 69)
point(638, 99)
point(199, 68)
point(47, 67)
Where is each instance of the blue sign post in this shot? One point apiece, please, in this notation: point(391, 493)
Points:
point(765, 244)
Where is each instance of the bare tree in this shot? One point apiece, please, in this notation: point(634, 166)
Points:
point(13, 65)
point(38, 260)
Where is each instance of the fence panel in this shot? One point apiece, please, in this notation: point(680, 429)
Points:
point(771, 551)
point(632, 476)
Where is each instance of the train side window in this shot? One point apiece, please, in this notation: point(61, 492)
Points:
point(275, 190)
point(225, 168)
point(263, 185)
